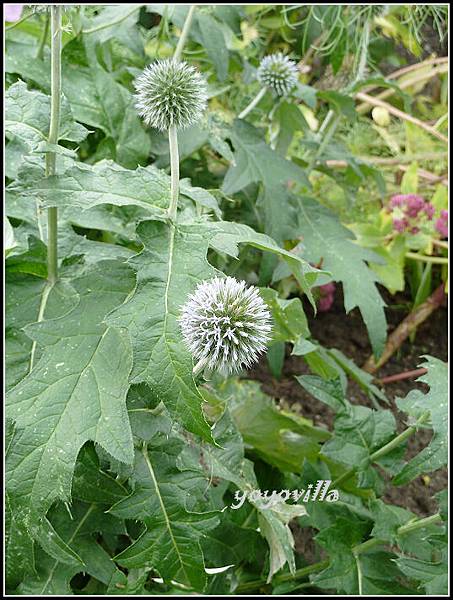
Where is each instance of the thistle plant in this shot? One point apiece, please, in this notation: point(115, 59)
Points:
point(276, 72)
point(171, 95)
point(225, 324)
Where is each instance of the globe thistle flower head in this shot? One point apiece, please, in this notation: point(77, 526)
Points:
point(225, 324)
point(278, 72)
point(170, 93)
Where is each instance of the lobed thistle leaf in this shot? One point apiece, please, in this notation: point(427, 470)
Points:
point(278, 72)
point(170, 93)
point(226, 325)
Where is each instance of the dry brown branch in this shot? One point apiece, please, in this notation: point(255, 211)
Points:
point(401, 115)
point(406, 327)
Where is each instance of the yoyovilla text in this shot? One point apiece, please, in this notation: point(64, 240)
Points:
point(315, 492)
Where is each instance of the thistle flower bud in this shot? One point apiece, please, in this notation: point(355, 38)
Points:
point(225, 324)
point(170, 93)
point(278, 72)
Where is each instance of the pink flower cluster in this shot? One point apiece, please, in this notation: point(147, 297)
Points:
point(326, 296)
point(409, 211)
point(441, 224)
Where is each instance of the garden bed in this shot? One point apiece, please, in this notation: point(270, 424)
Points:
point(347, 333)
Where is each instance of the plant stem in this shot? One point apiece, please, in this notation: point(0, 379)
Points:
point(363, 108)
point(401, 376)
point(378, 160)
point(438, 260)
point(419, 524)
point(115, 22)
point(52, 212)
point(356, 550)
point(402, 115)
point(397, 441)
point(199, 366)
point(363, 53)
point(403, 530)
point(42, 307)
point(19, 21)
point(185, 30)
point(298, 574)
point(174, 166)
point(406, 327)
point(440, 244)
point(329, 125)
point(172, 133)
point(253, 103)
point(43, 39)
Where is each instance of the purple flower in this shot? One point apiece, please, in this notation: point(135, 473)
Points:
point(414, 205)
point(326, 296)
point(13, 12)
point(325, 303)
point(444, 214)
point(400, 225)
point(327, 288)
point(429, 210)
point(397, 200)
point(441, 225)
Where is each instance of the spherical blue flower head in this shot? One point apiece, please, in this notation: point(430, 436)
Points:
point(225, 324)
point(170, 93)
point(278, 72)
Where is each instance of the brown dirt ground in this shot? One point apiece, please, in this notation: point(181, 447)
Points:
point(348, 334)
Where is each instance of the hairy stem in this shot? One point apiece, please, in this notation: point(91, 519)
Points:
point(52, 213)
point(184, 33)
point(406, 327)
point(172, 133)
point(253, 103)
point(43, 39)
point(394, 443)
point(174, 166)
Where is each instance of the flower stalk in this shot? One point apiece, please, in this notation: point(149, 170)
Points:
point(253, 103)
point(394, 443)
point(184, 33)
point(356, 551)
point(52, 212)
point(43, 39)
point(276, 72)
point(174, 169)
